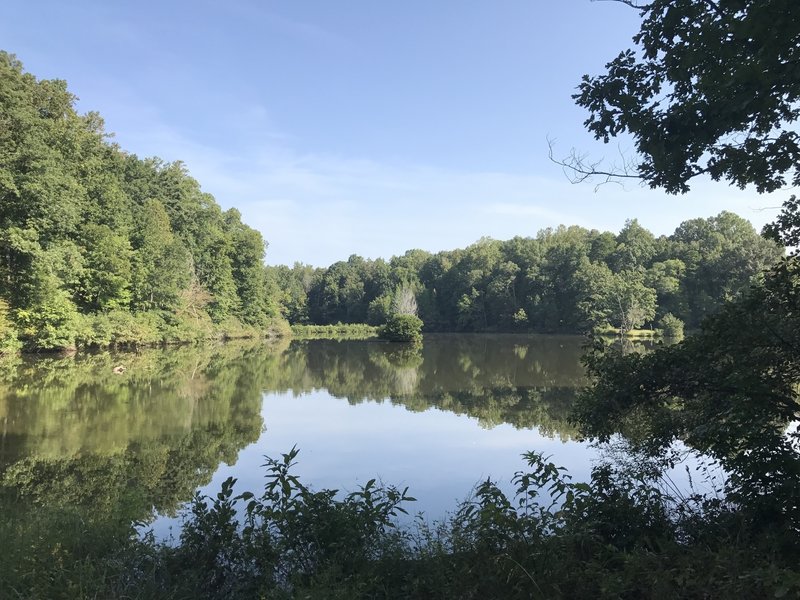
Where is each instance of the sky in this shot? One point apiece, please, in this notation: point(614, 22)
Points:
point(361, 127)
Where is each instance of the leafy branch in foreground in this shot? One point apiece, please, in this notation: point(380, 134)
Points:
point(621, 534)
point(709, 88)
point(729, 391)
point(618, 535)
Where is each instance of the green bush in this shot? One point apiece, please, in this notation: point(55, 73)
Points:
point(94, 331)
point(277, 327)
point(51, 324)
point(671, 326)
point(402, 328)
point(124, 329)
point(9, 344)
point(135, 329)
point(620, 534)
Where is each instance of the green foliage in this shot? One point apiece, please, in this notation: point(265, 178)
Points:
point(161, 268)
point(87, 229)
point(247, 256)
point(106, 273)
point(567, 279)
point(520, 318)
point(616, 535)
point(628, 302)
point(729, 391)
point(786, 227)
point(276, 328)
point(635, 249)
point(671, 327)
point(380, 309)
point(8, 334)
point(50, 324)
point(711, 88)
point(292, 536)
point(122, 329)
point(402, 328)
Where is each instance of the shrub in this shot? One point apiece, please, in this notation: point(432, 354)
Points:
point(51, 324)
point(671, 326)
point(402, 328)
point(94, 331)
point(277, 327)
point(135, 329)
point(9, 344)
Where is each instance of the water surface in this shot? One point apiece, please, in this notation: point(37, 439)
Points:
point(73, 433)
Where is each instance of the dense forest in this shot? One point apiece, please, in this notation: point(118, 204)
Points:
point(100, 247)
point(568, 279)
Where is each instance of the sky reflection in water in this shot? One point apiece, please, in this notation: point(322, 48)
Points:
point(438, 419)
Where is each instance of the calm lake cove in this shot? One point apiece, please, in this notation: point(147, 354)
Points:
point(136, 445)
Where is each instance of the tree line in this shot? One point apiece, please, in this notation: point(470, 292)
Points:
point(99, 246)
point(567, 279)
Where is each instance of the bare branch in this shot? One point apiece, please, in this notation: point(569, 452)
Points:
point(763, 208)
point(631, 3)
point(405, 301)
point(578, 169)
point(715, 7)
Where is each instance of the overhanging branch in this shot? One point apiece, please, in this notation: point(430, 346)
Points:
point(578, 169)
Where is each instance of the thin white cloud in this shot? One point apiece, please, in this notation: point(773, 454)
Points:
point(534, 211)
point(318, 209)
point(303, 30)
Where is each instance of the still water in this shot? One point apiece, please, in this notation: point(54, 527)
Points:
point(136, 445)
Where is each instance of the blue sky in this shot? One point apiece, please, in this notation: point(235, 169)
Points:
point(360, 127)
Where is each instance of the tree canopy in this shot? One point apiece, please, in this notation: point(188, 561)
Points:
point(713, 87)
point(710, 87)
point(96, 243)
point(567, 279)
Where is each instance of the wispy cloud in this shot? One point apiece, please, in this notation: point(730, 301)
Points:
point(307, 31)
point(319, 208)
point(256, 12)
point(534, 211)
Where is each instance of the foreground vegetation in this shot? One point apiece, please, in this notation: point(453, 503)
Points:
point(620, 535)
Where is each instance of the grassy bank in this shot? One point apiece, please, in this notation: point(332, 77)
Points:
point(636, 334)
point(124, 329)
point(340, 331)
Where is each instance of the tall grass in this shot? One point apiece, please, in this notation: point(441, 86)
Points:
point(339, 331)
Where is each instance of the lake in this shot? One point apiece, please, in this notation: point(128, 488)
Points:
point(136, 445)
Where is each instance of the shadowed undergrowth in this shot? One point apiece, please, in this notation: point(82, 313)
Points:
point(619, 535)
